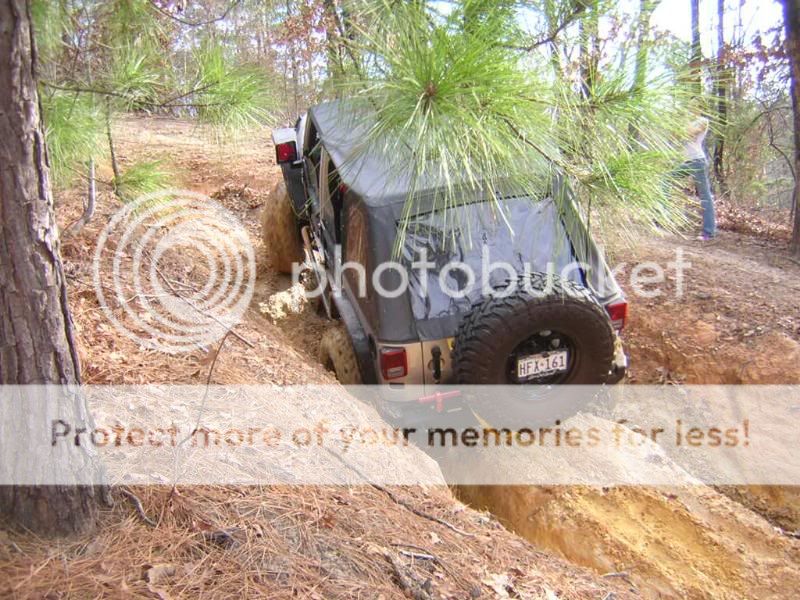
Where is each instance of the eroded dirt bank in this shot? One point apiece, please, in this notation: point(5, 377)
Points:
point(670, 542)
point(694, 542)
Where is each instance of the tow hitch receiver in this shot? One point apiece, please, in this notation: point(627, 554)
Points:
point(439, 399)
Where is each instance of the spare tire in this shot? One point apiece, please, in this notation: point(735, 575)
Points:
point(522, 338)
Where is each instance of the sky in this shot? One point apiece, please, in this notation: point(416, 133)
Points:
point(675, 16)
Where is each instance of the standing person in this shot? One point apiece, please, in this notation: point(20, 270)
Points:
point(696, 165)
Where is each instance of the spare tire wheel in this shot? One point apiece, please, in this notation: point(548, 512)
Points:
point(559, 335)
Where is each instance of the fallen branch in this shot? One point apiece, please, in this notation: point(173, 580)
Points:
point(201, 311)
point(425, 554)
point(88, 210)
point(420, 513)
point(418, 555)
point(137, 504)
point(400, 501)
point(200, 411)
point(624, 575)
point(408, 582)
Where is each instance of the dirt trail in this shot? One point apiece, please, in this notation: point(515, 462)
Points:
point(740, 325)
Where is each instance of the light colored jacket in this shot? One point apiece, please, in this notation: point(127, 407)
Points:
point(693, 148)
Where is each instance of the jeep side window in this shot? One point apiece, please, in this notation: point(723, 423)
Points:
point(356, 248)
point(313, 157)
point(331, 199)
point(337, 200)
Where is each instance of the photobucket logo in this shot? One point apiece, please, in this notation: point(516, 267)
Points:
point(499, 279)
point(174, 270)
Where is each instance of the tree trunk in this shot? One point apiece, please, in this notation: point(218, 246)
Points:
point(646, 8)
point(590, 49)
point(37, 344)
point(791, 17)
point(295, 69)
point(696, 60)
point(721, 93)
point(332, 41)
point(551, 17)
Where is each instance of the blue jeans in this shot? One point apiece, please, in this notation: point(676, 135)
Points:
point(698, 169)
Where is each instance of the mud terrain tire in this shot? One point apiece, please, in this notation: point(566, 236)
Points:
point(282, 246)
point(497, 327)
point(336, 354)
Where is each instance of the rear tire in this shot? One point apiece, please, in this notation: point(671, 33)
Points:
point(336, 354)
point(279, 231)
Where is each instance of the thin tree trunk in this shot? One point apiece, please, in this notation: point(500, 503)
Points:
point(551, 15)
point(88, 210)
point(696, 60)
point(721, 93)
point(333, 41)
point(590, 49)
point(293, 57)
point(646, 8)
point(791, 17)
point(37, 344)
point(112, 153)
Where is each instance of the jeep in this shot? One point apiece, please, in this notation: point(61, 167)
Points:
point(556, 319)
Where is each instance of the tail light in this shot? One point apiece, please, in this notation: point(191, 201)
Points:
point(618, 313)
point(394, 363)
point(285, 152)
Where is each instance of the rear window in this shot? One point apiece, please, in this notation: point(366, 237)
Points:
point(514, 231)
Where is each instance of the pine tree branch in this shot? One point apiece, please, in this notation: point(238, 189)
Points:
point(168, 103)
point(551, 36)
point(224, 15)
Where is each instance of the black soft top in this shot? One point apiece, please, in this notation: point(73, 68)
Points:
point(342, 126)
point(381, 184)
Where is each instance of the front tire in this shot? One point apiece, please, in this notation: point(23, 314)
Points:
point(279, 231)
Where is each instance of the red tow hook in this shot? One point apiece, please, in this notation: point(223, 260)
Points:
point(439, 398)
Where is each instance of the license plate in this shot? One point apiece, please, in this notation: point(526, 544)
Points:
point(539, 365)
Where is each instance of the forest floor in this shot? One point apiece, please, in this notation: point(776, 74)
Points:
point(737, 321)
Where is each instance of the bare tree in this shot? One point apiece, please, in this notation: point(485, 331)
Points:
point(646, 8)
point(697, 51)
point(791, 18)
point(721, 93)
point(37, 345)
point(590, 47)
